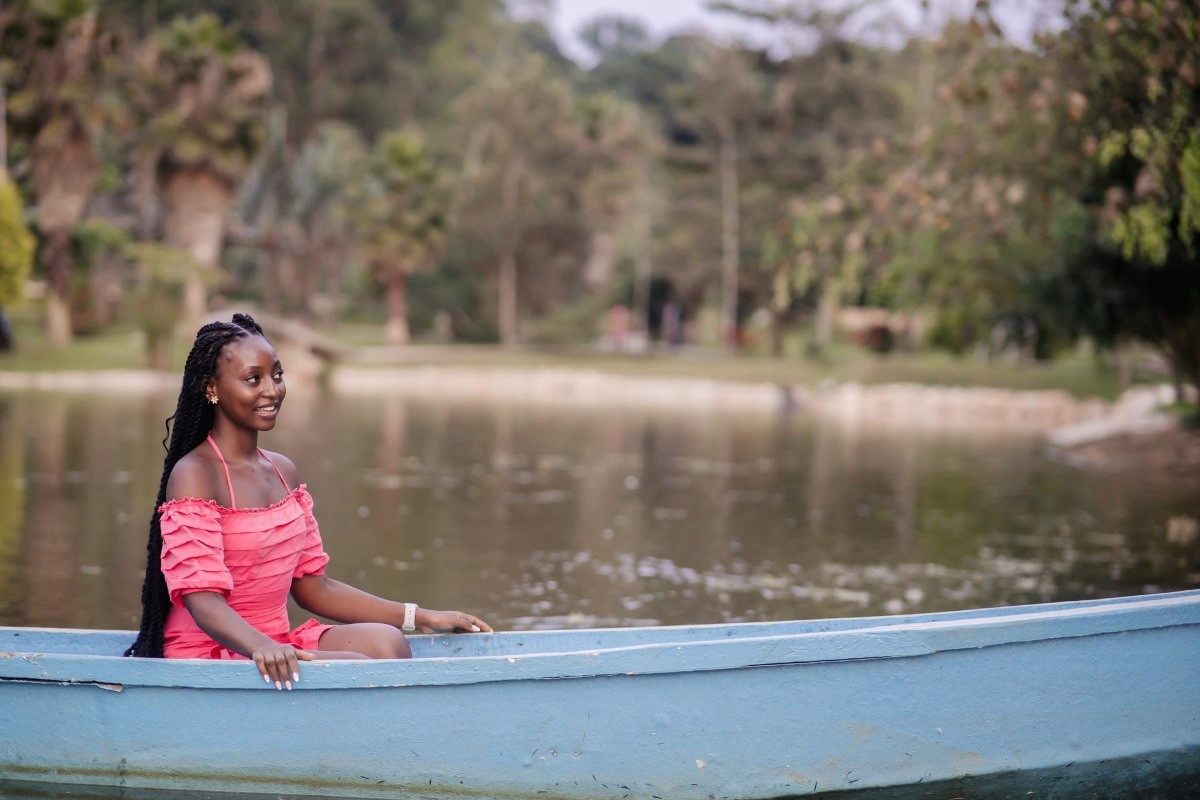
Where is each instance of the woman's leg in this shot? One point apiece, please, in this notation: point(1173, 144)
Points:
point(371, 639)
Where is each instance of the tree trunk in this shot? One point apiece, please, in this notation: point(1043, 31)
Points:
point(56, 257)
point(507, 312)
point(642, 266)
point(196, 202)
point(730, 232)
point(827, 308)
point(601, 261)
point(58, 321)
point(510, 195)
point(396, 295)
point(65, 170)
point(778, 318)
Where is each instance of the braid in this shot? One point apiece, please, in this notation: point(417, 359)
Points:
point(193, 419)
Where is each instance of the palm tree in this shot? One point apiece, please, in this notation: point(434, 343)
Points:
point(320, 186)
point(50, 61)
point(203, 99)
point(401, 222)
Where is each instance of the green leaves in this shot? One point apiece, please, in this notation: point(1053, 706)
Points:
point(202, 98)
point(1143, 233)
point(16, 244)
point(1189, 174)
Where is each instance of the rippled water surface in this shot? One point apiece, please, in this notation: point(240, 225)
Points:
point(537, 517)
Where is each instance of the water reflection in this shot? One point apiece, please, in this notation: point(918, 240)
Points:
point(542, 517)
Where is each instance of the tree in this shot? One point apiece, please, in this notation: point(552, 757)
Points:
point(722, 103)
point(16, 254)
point(53, 68)
point(826, 131)
point(822, 246)
point(1133, 71)
point(323, 180)
point(202, 97)
point(161, 273)
point(516, 190)
point(401, 219)
point(331, 60)
point(616, 148)
point(957, 209)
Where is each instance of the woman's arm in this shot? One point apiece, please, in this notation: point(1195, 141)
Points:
point(276, 662)
point(341, 602)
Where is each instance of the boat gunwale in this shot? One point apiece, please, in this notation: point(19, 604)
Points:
point(877, 638)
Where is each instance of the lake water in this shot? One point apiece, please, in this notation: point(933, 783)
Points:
point(543, 517)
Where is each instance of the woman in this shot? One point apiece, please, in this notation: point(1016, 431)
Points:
point(233, 533)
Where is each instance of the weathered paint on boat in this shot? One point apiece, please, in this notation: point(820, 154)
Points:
point(756, 710)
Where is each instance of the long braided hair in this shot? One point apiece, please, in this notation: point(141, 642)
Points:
point(193, 419)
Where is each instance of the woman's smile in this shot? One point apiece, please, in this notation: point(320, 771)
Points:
point(267, 411)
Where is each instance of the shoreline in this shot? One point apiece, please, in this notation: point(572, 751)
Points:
point(889, 403)
point(1066, 420)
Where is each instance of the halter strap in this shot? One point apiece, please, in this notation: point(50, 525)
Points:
point(229, 480)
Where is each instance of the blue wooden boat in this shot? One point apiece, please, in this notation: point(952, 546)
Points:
point(1032, 697)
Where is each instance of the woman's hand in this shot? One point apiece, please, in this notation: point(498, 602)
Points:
point(429, 621)
point(280, 663)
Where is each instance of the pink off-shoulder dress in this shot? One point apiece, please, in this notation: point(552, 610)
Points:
point(250, 555)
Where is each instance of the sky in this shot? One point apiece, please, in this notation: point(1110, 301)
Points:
point(666, 17)
point(661, 17)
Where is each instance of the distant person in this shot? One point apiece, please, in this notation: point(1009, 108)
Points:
point(233, 533)
point(672, 325)
point(6, 333)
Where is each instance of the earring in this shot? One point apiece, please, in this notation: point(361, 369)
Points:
point(212, 398)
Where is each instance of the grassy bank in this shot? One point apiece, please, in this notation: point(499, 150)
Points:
point(1078, 372)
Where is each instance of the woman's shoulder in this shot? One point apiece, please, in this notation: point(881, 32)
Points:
point(197, 475)
point(285, 466)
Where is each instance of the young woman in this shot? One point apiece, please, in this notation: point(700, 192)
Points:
point(233, 533)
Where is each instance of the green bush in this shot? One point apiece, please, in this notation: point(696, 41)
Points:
point(17, 245)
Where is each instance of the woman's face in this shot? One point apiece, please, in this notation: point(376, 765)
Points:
point(249, 383)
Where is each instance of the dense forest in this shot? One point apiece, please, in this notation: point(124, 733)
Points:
point(444, 169)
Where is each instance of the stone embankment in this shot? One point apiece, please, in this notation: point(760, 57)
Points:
point(1066, 421)
point(115, 380)
point(888, 404)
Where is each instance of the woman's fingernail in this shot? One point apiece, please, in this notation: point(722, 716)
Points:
point(278, 686)
point(296, 677)
point(475, 629)
point(265, 678)
point(288, 684)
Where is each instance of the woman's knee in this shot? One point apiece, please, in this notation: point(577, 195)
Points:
point(373, 640)
point(392, 643)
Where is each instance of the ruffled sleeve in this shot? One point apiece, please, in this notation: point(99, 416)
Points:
point(313, 557)
point(193, 551)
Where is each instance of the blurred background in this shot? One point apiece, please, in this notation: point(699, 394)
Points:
point(1004, 178)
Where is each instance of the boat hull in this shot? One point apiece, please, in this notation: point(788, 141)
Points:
point(759, 711)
